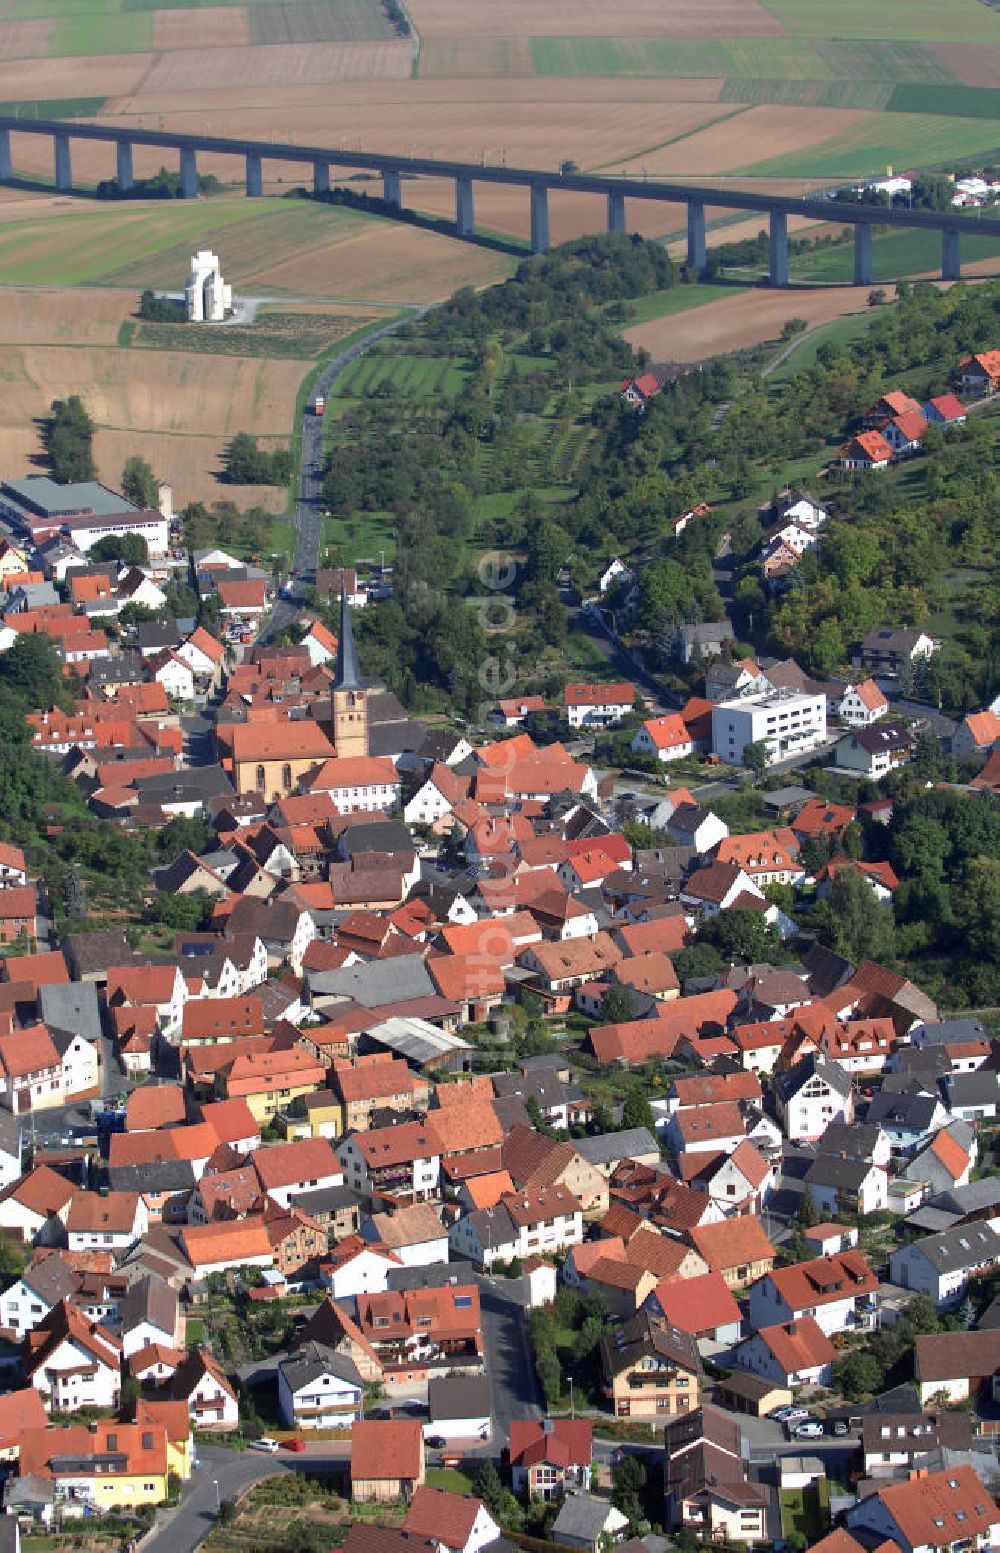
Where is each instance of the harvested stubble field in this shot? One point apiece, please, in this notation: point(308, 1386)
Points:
point(735, 322)
point(176, 409)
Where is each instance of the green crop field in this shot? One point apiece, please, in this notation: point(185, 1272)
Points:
point(790, 59)
point(886, 140)
point(678, 299)
point(129, 240)
point(893, 254)
point(924, 21)
point(363, 540)
point(93, 33)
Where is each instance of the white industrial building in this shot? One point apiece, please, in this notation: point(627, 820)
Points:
point(206, 296)
point(788, 722)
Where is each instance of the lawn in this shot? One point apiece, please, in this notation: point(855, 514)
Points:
point(806, 1510)
point(450, 1479)
point(896, 253)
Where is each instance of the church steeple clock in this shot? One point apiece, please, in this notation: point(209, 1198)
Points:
point(349, 697)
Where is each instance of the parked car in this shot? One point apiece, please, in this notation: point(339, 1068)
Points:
point(295, 1445)
point(789, 1415)
point(810, 1430)
point(437, 1442)
point(838, 1426)
point(265, 1443)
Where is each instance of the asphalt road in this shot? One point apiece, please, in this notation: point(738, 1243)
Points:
point(514, 1388)
point(308, 516)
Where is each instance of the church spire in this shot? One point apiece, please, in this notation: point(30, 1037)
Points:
point(348, 673)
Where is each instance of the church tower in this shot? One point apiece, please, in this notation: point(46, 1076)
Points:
point(350, 699)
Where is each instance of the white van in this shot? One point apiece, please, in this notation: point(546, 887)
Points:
point(265, 1443)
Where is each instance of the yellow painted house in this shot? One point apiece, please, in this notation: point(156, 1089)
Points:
point(176, 1420)
point(105, 1464)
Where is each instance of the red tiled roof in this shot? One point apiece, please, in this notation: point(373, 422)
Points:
point(569, 1442)
point(441, 1516)
point(733, 1243)
point(698, 1305)
point(386, 1451)
point(826, 1278)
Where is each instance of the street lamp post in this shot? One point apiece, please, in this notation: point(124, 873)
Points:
point(215, 1485)
point(572, 1399)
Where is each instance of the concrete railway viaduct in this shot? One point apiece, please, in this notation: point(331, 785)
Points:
point(393, 169)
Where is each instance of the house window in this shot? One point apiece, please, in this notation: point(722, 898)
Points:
point(261, 778)
point(286, 775)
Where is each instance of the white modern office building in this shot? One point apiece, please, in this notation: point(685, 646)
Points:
point(788, 722)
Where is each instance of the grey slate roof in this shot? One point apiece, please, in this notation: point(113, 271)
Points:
point(375, 983)
point(968, 1245)
point(73, 1007)
point(790, 1082)
point(981, 1087)
point(914, 1113)
point(610, 1147)
point(581, 1517)
point(944, 1031)
point(312, 1360)
point(855, 1141)
point(348, 675)
point(458, 1396)
point(150, 1299)
point(843, 1174)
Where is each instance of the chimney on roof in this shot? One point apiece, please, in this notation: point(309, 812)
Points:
point(548, 1427)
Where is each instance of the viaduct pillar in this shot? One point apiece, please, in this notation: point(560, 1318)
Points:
point(6, 167)
point(321, 177)
point(255, 176)
point(696, 253)
point(539, 218)
point(123, 166)
point(616, 212)
point(63, 164)
point(778, 274)
point(392, 191)
point(951, 254)
point(189, 173)
point(465, 214)
point(864, 272)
